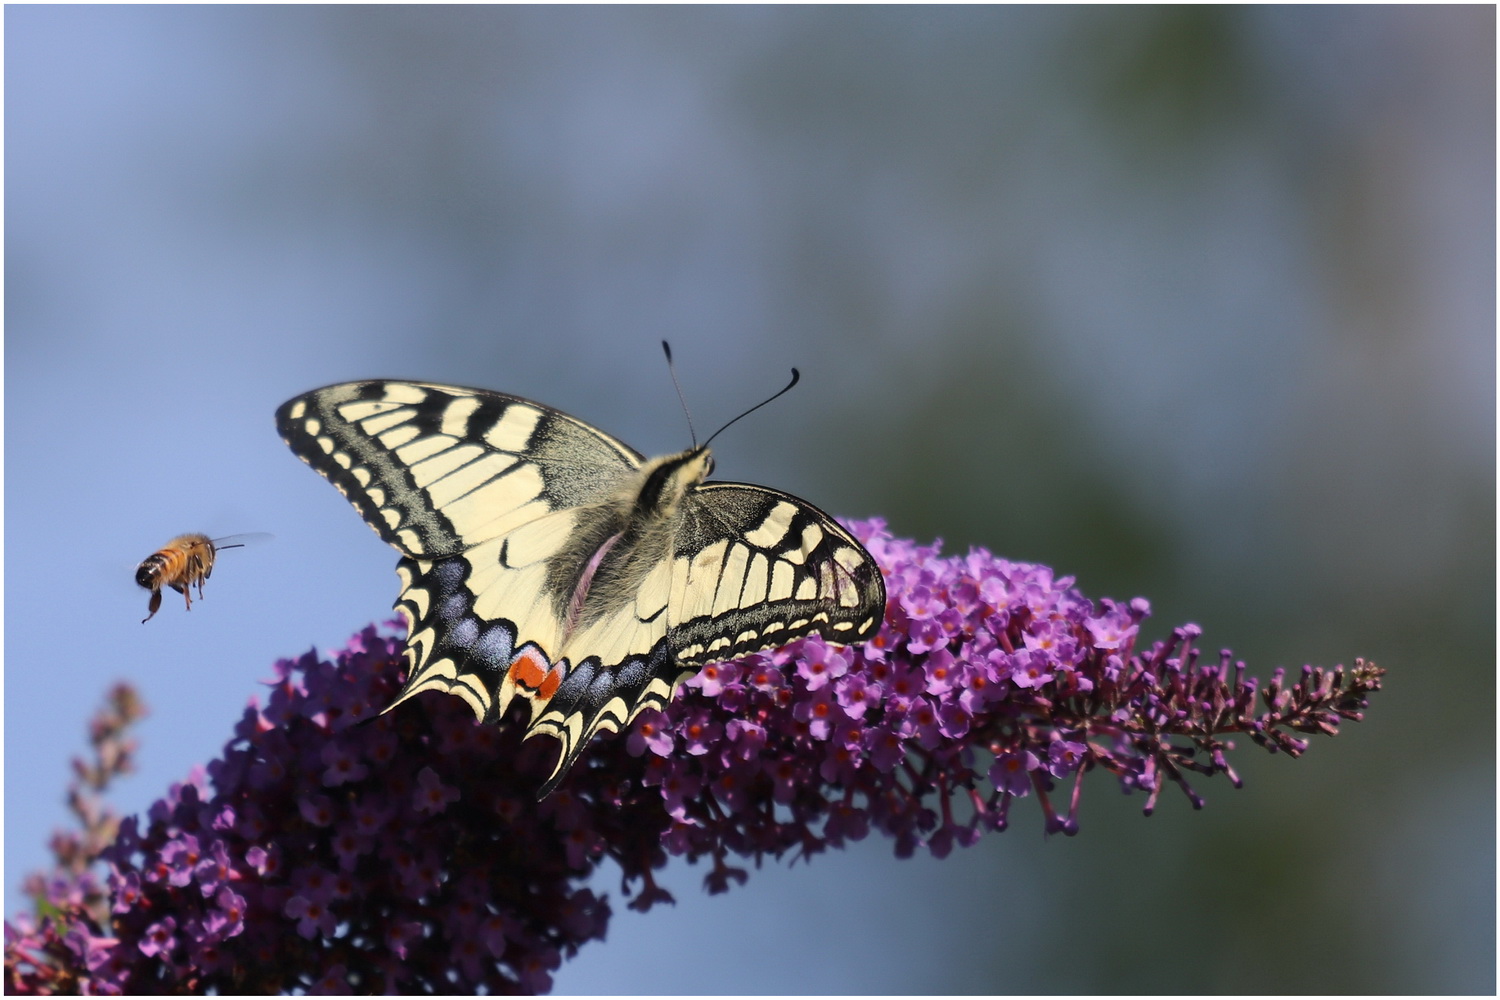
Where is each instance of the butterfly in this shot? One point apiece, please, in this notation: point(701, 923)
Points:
point(544, 559)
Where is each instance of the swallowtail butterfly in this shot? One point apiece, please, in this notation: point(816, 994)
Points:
point(543, 559)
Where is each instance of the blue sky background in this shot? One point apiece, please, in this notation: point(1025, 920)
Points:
point(1191, 304)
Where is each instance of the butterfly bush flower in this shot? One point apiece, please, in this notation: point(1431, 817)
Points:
point(335, 849)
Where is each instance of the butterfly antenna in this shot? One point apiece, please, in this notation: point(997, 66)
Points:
point(795, 376)
point(667, 348)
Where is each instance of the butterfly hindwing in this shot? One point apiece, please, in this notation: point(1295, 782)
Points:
point(479, 659)
point(595, 696)
point(547, 561)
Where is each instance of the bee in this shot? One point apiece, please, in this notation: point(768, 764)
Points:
point(184, 562)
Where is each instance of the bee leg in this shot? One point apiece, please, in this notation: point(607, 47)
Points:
point(153, 606)
point(186, 592)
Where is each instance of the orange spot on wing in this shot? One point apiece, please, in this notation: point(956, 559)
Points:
point(531, 670)
point(550, 684)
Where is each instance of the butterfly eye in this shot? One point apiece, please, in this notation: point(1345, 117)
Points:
point(710, 469)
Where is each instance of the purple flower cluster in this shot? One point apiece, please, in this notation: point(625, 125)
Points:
point(991, 681)
point(55, 954)
point(333, 849)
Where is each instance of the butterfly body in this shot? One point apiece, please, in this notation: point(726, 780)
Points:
point(546, 560)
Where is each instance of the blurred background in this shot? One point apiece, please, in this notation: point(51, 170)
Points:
point(1192, 304)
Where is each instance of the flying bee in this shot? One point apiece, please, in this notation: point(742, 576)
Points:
point(184, 562)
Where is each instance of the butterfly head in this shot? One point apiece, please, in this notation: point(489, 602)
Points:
point(666, 480)
point(701, 464)
point(687, 469)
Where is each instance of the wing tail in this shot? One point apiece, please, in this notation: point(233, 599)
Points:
point(594, 696)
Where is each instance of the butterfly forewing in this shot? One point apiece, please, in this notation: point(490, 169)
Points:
point(545, 560)
point(437, 469)
point(756, 568)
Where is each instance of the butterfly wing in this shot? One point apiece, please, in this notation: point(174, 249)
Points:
point(748, 568)
point(438, 469)
point(487, 497)
point(756, 568)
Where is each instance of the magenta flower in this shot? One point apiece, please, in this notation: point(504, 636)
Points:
point(159, 938)
point(712, 678)
point(432, 796)
point(1011, 772)
point(312, 915)
point(343, 765)
point(701, 733)
point(178, 861)
point(820, 663)
point(316, 809)
point(334, 849)
point(855, 695)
